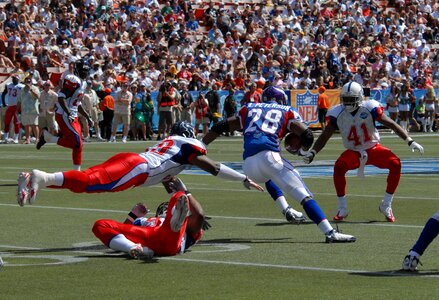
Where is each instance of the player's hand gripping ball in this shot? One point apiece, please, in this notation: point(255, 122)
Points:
point(292, 143)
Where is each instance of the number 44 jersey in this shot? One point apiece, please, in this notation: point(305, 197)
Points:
point(264, 124)
point(358, 130)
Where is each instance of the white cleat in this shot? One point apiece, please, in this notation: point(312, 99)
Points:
point(24, 179)
point(37, 182)
point(137, 252)
point(410, 263)
point(336, 237)
point(180, 213)
point(293, 216)
point(342, 213)
point(387, 212)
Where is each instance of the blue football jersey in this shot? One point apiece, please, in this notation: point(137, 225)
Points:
point(264, 125)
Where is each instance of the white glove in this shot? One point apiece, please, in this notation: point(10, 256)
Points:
point(309, 156)
point(415, 146)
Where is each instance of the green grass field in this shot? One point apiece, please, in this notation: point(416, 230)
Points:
point(249, 253)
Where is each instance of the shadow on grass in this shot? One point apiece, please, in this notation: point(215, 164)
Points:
point(398, 273)
point(255, 241)
point(53, 250)
point(284, 223)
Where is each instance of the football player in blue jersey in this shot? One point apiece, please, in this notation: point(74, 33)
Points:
point(264, 125)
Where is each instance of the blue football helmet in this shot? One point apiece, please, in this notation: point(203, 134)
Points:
point(274, 94)
point(183, 128)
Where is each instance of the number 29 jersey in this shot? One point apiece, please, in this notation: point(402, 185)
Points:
point(358, 131)
point(264, 124)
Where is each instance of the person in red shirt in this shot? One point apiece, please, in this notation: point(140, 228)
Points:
point(184, 74)
point(251, 96)
point(322, 106)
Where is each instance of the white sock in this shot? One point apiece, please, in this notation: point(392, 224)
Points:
point(414, 253)
point(124, 138)
point(121, 243)
point(16, 136)
point(282, 203)
point(6, 136)
point(325, 227)
point(57, 178)
point(50, 137)
point(77, 167)
point(342, 202)
point(387, 201)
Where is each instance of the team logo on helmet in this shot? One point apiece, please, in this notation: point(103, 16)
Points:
point(184, 129)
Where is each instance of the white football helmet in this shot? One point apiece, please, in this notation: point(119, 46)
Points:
point(351, 95)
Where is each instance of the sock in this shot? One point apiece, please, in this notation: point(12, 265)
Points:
point(404, 125)
point(313, 211)
point(342, 202)
point(325, 226)
point(282, 203)
point(16, 137)
point(124, 137)
point(120, 243)
point(56, 179)
point(428, 234)
point(6, 136)
point(387, 201)
point(77, 167)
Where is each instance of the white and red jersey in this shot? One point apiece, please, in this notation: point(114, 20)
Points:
point(75, 84)
point(13, 91)
point(358, 131)
point(169, 157)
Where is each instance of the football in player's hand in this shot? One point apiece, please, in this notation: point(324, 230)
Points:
point(292, 143)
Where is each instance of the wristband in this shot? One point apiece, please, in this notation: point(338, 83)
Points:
point(409, 140)
point(132, 215)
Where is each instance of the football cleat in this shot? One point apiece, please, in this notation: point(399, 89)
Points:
point(37, 179)
point(293, 216)
point(410, 263)
point(137, 251)
point(386, 210)
point(180, 213)
point(336, 237)
point(24, 179)
point(342, 213)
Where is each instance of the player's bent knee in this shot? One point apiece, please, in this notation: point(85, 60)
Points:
point(340, 168)
point(395, 164)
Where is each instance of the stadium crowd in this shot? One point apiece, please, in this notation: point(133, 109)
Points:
point(135, 48)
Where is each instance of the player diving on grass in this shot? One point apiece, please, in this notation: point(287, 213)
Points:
point(177, 225)
point(126, 170)
point(264, 125)
point(356, 121)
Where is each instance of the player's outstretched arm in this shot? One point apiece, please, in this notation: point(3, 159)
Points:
point(221, 170)
point(389, 123)
point(228, 125)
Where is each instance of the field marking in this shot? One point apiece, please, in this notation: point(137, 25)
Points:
point(239, 218)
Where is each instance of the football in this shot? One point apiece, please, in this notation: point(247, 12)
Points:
point(292, 143)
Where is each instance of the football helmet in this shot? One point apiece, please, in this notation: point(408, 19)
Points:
point(351, 95)
point(183, 128)
point(81, 69)
point(161, 210)
point(276, 94)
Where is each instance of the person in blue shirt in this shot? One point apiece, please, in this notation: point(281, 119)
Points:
point(264, 125)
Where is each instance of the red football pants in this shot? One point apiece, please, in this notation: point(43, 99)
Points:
point(70, 136)
point(161, 239)
point(118, 173)
point(378, 156)
point(11, 113)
